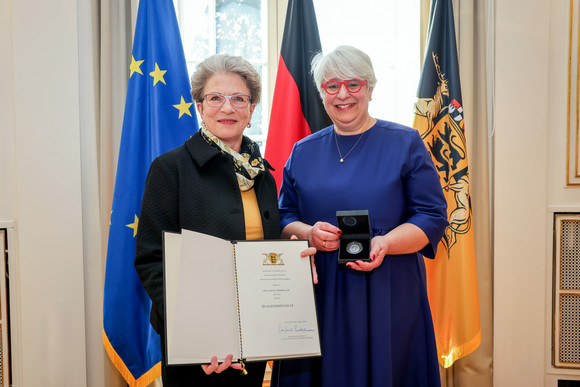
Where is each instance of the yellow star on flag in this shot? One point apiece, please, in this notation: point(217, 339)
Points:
point(183, 107)
point(134, 226)
point(158, 75)
point(135, 66)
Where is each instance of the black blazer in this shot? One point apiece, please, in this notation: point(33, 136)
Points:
point(194, 187)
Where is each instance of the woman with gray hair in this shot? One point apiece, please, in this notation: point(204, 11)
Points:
point(216, 183)
point(373, 312)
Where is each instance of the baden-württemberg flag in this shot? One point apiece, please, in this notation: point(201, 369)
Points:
point(451, 276)
point(158, 117)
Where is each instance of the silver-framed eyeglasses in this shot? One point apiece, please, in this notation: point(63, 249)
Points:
point(217, 100)
point(352, 85)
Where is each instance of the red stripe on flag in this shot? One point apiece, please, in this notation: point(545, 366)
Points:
point(287, 122)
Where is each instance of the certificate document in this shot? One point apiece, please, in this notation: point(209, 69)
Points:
point(253, 299)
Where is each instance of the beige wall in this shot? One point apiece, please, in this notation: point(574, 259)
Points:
point(559, 197)
point(530, 143)
point(6, 114)
point(520, 196)
point(40, 162)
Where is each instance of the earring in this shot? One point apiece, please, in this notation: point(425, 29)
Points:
point(249, 125)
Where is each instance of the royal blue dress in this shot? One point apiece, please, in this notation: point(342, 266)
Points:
point(375, 327)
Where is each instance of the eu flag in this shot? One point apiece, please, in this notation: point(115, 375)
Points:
point(451, 276)
point(158, 117)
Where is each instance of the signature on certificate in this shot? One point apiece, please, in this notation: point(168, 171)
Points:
point(295, 328)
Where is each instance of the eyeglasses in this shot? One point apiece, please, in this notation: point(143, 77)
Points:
point(217, 100)
point(352, 85)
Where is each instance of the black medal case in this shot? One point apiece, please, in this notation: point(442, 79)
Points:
point(355, 242)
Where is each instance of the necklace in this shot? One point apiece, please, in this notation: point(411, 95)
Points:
point(351, 149)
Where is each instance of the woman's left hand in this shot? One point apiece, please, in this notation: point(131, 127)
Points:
point(379, 247)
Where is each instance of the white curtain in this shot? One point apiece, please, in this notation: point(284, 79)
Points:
point(110, 27)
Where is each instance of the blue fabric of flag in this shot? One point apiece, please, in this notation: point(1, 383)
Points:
point(159, 116)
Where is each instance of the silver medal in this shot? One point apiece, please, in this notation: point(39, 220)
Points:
point(354, 248)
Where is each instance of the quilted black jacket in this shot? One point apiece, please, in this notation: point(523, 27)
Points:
point(194, 187)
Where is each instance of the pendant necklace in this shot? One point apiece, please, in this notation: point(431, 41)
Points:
point(351, 149)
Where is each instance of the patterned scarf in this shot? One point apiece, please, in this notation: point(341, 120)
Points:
point(248, 163)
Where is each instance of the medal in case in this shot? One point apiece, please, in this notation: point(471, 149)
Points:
point(355, 240)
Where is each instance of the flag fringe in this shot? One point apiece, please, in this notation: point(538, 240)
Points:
point(459, 351)
point(146, 379)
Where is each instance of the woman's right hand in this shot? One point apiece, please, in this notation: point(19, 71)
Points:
point(216, 367)
point(324, 236)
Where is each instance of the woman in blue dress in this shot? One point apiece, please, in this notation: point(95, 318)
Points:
point(374, 317)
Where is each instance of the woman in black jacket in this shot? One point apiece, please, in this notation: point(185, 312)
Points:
point(216, 183)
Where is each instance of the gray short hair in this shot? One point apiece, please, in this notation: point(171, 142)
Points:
point(223, 63)
point(344, 62)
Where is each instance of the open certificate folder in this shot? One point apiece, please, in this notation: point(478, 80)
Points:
point(253, 299)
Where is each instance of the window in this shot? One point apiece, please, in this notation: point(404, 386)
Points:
point(236, 27)
point(387, 30)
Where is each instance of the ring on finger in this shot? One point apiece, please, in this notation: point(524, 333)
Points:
point(323, 243)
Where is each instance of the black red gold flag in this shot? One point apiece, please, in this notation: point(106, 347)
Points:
point(439, 117)
point(297, 109)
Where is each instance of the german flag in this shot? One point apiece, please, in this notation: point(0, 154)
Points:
point(451, 276)
point(297, 109)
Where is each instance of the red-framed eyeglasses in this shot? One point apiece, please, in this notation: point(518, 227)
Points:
point(352, 85)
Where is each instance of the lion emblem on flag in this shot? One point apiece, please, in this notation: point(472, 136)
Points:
point(440, 122)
